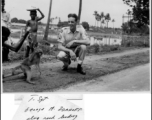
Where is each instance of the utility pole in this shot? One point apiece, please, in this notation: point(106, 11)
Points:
point(129, 17)
point(79, 13)
point(48, 22)
point(122, 19)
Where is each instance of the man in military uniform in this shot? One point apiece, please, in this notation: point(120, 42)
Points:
point(72, 44)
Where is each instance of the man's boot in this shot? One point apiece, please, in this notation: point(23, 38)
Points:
point(80, 69)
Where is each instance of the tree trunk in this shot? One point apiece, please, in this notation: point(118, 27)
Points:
point(48, 21)
point(97, 25)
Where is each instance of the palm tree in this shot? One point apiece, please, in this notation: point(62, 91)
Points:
point(98, 18)
point(102, 18)
point(79, 14)
point(113, 22)
point(107, 18)
point(103, 22)
point(95, 13)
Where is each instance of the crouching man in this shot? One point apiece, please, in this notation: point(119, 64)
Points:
point(72, 44)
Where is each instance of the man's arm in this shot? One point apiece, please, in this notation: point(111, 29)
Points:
point(42, 15)
point(18, 45)
point(62, 48)
point(83, 41)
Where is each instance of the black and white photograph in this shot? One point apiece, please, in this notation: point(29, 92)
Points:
point(75, 46)
point(75, 59)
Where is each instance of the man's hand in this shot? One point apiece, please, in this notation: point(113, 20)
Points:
point(70, 44)
point(72, 55)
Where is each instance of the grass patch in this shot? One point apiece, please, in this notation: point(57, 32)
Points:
point(103, 49)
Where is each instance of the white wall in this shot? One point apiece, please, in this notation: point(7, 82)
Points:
point(111, 41)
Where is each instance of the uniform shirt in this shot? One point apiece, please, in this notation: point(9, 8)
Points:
point(65, 35)
point(6, 19)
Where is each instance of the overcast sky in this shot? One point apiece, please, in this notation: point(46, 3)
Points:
point(61, 8)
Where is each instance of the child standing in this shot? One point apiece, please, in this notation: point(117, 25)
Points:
point(33, 24)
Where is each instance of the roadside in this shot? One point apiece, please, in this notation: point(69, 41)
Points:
point(133, 79)
point(95, 65)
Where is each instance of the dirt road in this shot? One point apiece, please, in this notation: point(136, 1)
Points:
point(132, 79)
point(53, 77)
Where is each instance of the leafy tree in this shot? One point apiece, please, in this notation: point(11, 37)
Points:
point(125, 27)
point(21, 21)
point(132, 27)
point(62, 24)
point(14, 20)
point(85, 25)
point(140, 11)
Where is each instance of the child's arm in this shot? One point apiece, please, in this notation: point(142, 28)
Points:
point(42, 15)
